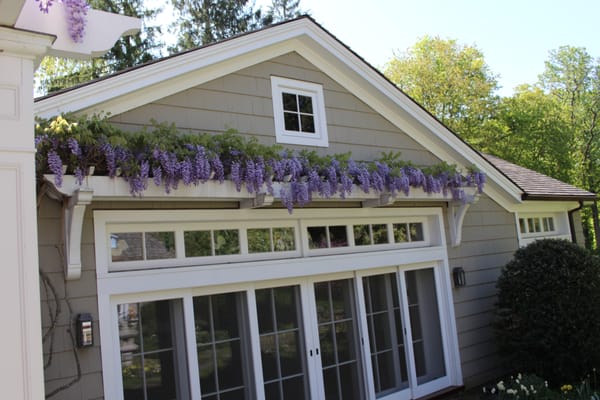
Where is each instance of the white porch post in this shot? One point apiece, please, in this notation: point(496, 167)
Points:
point(26, 35)
point(21, 365)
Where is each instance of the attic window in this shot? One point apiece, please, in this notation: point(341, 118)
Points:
point(299, 112)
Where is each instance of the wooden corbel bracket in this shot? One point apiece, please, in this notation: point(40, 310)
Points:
point(74, 213)
point(456, 215)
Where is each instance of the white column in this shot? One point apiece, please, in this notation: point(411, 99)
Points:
point(21, 364)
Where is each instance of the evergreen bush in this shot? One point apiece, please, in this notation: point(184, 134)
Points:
point(548, 311)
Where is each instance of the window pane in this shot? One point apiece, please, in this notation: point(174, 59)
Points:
point(317, 237)
point(339, 341)
point(385, 333)
point(149, 363)
point(223, 358)
point(283, 239)
point(307, 123)
point(551, 223)
point(160, 245)
point(197, 243)
point(362, 236)
point(425, 325)
point(259, 240)
point(416, 232)
point(522, 225)
point(400, 233)
point(537, 225)
point(227, 242)
point(289, 102)
point(281, 349)
point(531, 225)
point(292, 123)
point(380, 234)
point(338, 236)
point(305, 104)
point(126, 246)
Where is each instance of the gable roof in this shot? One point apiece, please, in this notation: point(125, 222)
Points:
point(140, 85)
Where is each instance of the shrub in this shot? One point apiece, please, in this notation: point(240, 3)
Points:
point(548, 320)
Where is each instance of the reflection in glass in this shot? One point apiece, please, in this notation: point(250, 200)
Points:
point(126, 246)
point(148, 347)
point(416, 231)
point(338, 339)
point(227, 241)
point(385, 333)
point(159, 245)
point(425, 325)
point(197, 243)
point(338, 236)
point(400, 233)
point(283, 239)
point(380, 233)
point(317, 237)
point(281, 343)
point(222, 352)
point(259, 240)
point(362, 235)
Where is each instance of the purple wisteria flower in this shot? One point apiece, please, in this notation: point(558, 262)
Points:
point(76, 17)
point(45, 5)
point(56, 167)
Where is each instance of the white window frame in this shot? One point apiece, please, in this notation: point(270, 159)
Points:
point(561, 227)
point(246, 276)
point(281, 85)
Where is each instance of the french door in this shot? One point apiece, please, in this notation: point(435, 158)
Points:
point(354, 336)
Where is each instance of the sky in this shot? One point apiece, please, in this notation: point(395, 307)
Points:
point(515, 36)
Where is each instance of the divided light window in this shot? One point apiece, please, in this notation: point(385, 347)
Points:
point(536, 225)
point(169, 244)
point(299, 112)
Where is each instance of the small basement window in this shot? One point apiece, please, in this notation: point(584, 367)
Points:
point(299, 112)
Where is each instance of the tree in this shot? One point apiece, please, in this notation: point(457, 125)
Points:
point(283, 10)
point(536, 134)
point(451, 81)
point(572, 78)
point(200, 22)
point(57, 73)
point(548, 299)
point(135, 49)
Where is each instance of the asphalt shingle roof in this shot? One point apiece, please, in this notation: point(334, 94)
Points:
point(538, 186)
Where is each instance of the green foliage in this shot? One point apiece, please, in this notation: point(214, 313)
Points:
point(451, 81)
point(532, 387)
point(537, 136)
point(57, 73)
point(201, 22)
point(548, 301)
point(282, 10)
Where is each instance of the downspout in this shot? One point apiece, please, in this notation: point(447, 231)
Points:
point(571, 223)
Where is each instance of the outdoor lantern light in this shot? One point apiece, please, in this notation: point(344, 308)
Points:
point(85, 337)
point(458, 273)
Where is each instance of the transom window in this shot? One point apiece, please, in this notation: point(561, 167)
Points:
point(299, 112)
point(536, 225)
point(224, 241)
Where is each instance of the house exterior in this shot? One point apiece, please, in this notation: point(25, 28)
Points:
point(211, 293)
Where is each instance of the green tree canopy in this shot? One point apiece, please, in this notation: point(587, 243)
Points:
point(452, 81)
point(536, 134)
point(283, 10)
point(200, 22)
point(57, 73)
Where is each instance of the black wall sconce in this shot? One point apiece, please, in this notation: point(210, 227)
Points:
point(458, 275)
point(85, 336)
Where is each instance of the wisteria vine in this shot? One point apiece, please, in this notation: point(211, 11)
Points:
point(76, 16)
point(166, 158)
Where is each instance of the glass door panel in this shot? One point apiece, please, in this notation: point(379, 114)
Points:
point(282, 343)
point(427, 341)
point(338, 338)
point(151, 362)
point(222, 347)
point(386, 334)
